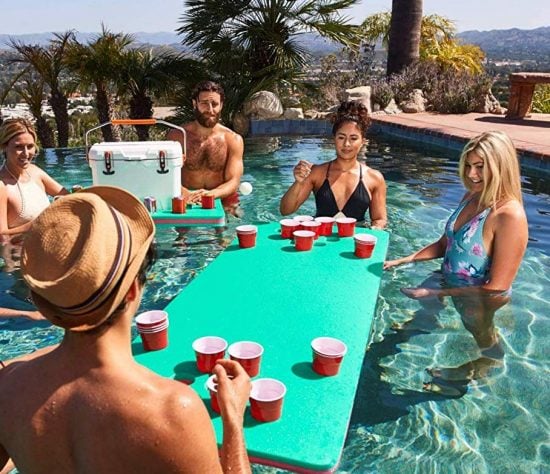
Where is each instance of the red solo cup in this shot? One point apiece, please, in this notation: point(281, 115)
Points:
point(326, 225)
point(154, 340)
point(158, 328)
point(266, 399)
point(313, 226)
point(328, 353)
point(151, 319)
point(212, 387)
point(247, 236)
point(288, 226)
point(207, 201)
point(346, 226)
point(178, 205)
point(248, 354)
point(364, 245)
point(303, 218)
point(208, 350)
point(303, 239)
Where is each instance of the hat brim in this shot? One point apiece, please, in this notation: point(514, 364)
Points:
point(142, 229)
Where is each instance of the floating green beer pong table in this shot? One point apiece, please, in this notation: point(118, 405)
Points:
point(195, 216)
point(282, 299)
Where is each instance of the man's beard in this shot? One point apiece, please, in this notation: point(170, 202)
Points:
point(206, 121)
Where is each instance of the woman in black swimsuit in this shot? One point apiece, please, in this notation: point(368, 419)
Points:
point(344, 186)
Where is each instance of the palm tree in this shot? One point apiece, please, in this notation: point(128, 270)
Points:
point(404, 35)
point(7, 86)
point(49, 63)
point(32, 89)
point(437, 41)
point(146, 76)
point(98, 63)
point(254, 44)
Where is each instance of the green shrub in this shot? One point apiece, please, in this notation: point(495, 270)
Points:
point(421, 75)
point(446, 91)
point(541, 99)
point(381, 93)
point(458, 92)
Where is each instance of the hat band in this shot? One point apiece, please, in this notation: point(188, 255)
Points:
point(123, 243)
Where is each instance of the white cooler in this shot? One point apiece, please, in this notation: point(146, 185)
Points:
point(143, 168)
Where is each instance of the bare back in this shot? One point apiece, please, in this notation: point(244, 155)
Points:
point(58, 418)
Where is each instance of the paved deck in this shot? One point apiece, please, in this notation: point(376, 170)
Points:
point(531, 135)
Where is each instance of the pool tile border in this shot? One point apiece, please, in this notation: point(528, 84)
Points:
point(290, 127)
point(532, 156)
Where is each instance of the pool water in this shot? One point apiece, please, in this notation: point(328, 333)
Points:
point(498, 425)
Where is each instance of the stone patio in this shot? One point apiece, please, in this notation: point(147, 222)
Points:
point(530, 135)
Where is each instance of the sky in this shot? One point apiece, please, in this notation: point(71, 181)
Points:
point(133, 16)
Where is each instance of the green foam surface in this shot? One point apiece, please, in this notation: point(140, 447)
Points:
point(195, 216)
point(282, 298)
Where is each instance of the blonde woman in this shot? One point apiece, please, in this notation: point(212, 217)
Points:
point(24, 188)
point(482, 246)
point(486, 236)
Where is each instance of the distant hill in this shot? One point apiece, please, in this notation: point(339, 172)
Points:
point(497, 44)
point(313, 42)
point(511, 44)
point(160, 38)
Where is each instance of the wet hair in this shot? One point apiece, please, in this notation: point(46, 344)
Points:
point(10, 128)
point(351, 111)
point(501, 171)
point(207, 86)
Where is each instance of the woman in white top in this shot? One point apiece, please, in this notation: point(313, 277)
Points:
point(24, 187)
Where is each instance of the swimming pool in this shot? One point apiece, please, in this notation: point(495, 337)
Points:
point(497, 426)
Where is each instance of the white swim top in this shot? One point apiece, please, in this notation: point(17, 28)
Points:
point(33, 201)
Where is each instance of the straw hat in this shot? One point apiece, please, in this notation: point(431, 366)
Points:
point(82, 254)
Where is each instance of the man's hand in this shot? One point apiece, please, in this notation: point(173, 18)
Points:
point(194, 197)
point(233, 392)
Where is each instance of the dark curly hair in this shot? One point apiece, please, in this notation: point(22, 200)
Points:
point(207, 86)
point(351, 111)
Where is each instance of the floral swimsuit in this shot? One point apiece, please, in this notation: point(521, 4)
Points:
point(466, 262)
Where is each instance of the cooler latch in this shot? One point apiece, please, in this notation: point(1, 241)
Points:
point(108, 159)
point(162, 162)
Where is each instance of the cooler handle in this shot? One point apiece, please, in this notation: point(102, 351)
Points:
point(151, 121)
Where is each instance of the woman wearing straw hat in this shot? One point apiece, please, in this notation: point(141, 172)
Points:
point(86, 405)
point(24, 187)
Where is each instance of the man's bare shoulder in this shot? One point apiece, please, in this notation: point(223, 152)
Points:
point(16, 377)
point(177, 412)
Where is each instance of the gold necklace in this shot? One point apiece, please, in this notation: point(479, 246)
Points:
point(5, 166)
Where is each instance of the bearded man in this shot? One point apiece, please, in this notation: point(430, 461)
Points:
point(214, 161)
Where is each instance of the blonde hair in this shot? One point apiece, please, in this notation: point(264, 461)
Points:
point(501, 171)
point(10, 128)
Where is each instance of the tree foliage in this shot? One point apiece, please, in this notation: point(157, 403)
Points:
point(99, 63)
point(438, 42)
point(49, 63)
point(250, 45)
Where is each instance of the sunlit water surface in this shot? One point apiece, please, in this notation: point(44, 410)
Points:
point(498, 426)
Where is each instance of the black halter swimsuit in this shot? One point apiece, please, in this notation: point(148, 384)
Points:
point(357, 205)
